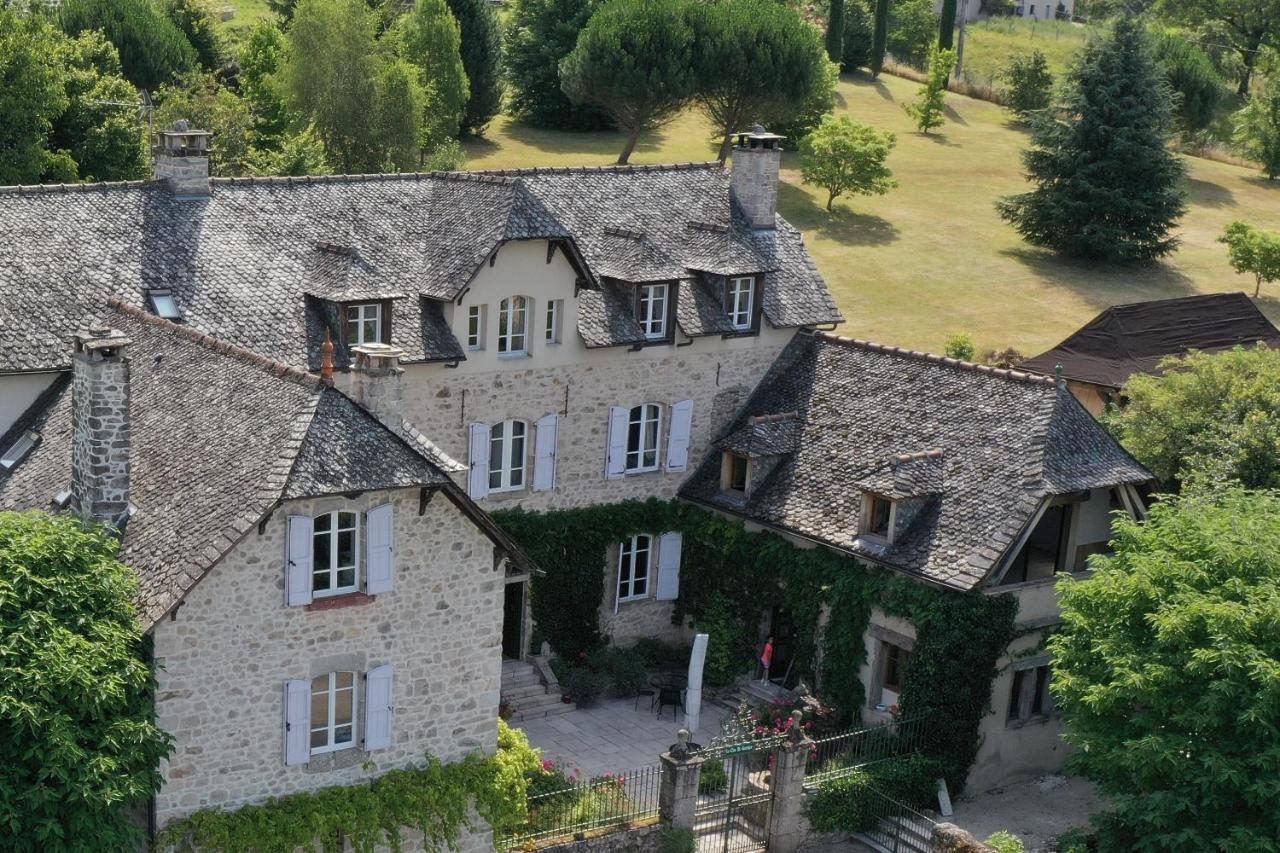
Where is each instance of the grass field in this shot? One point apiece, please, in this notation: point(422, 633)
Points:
point(932, 257)
point(989, 44)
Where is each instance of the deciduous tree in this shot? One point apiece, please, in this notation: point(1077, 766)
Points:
point(397, 121)
point(100, 128)
point(1257, 129)
point(913, 31)
point(1106, 185)
point(539, 35)
point(753, 60)
point(1250, 25)
point(481, 59)
point(1167, 668)
point(429, 37)
point(842, 156)
point(634, 60)
point(196, 20)
point(78, 740)
point(927, 110)
point(31, 98)
point(208, 105)
point(1207, 417)
point(1254, 251)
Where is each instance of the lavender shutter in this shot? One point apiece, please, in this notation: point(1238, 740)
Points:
point(377, 707)
point(678, 438)
point(298, 561)
point(544, 452)
point(478, 479)
point(616, 453)
point(297, 722)
point(379, 557)
point(669, 548)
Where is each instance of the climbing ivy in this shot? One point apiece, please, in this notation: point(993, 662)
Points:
point(432, 799)
point(959, 638)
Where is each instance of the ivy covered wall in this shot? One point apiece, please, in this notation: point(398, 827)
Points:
point(729, 577)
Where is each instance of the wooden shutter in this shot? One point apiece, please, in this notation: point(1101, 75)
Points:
point(298, 561)
point(616, 457)
point(544, 452)
point(678, 438)
point(669, 547)
point(377, 707)
point(379, 538)
point(478, 479)
point(297, 722)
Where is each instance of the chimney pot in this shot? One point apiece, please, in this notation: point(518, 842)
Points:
point(753, 181)
point(100, 424)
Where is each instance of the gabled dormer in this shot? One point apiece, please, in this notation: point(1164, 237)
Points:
point(749, 454)
point(894, 495)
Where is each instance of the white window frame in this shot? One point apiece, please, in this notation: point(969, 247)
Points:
point(333, 568)
point(20, 448)
point(643, 415)
point(652, 303)
point(164, 305)
point(359, 315)
point(503, 459)
point(740, 298)
point(508, 334)
point(475, 327)
point(628, 551)
point(551, 334)
point(330, 724)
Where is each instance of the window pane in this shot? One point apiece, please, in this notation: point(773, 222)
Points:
point(1042, 686)
point(343, 706)
point(342, 734)
point(320, 701)
point(347, 520)
point(347, 548)
point(320, 573)
point(322, 522)
point(320, 737)
point(346, 577)
point(1015, 693)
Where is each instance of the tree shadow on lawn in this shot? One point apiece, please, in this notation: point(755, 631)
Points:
point(579, 143)
point(937, 139)
point(842, 225)
point(1103, 285)
point(1208, 193)
point(952, 115)
point(1262, 182)
point(862, 81)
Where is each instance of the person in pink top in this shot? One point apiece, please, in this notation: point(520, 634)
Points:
point(766, 659)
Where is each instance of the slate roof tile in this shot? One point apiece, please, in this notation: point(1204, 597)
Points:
point(876, 417)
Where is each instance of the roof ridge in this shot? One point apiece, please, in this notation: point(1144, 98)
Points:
point(903, 458)
point(479, 177)
point(209, 342)
point(934, 358)
point(40, 189)
point(612, 168)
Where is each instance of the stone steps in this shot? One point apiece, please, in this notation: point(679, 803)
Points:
point(526, 696)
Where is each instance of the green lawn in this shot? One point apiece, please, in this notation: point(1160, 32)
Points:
point(932, 257)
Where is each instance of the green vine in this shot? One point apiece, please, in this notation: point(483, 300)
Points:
point(432, 799)
point(726, 569)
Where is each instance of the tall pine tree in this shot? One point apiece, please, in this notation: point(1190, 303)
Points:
point(539, 35)
point(482, 60)
point(947, 25)
point(879, 36)
point(1106, 184)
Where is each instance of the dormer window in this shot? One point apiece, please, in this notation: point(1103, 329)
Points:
point(651, 310)
point(735, 473)
point(877, 517)
point(163, 303)
point(20, 448)
point(364, 323)
point(739, 302)
point(513, 326)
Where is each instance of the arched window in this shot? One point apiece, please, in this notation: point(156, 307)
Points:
point(643, 434)
point(513, 325)
point(633, 567)
point(507, 456)
point(336, 542)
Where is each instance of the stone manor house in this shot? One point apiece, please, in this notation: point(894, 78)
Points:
point(300, 397)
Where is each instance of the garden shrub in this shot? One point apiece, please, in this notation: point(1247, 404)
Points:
point(624, 669)
point(658, 654)
point(713, 779)
point(585, 686)
point(1005, 842)
point(844, 805)
point(677, 839)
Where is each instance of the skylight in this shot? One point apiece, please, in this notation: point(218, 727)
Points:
point(18, 449)
point(164, 304)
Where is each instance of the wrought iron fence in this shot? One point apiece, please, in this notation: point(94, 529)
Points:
point(845, 753)
point(895, 826)
point(611, 801)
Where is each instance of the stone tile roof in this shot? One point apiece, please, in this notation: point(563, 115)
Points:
point(241, 262)
point(219, 436)
point(975, 448)
point(765, 435)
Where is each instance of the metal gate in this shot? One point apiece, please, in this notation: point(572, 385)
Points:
point(735, 796)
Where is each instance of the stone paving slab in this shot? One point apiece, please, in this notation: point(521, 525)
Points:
point(614, 736)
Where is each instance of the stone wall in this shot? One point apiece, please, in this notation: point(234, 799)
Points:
point(100, 436)
point(640, 839)
point(224, 659)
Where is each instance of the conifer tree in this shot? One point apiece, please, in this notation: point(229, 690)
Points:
point(879, 36)
point(947, 25)
point(482, 60)
point(539, 35)
point(835, 31)
point(1106, 184)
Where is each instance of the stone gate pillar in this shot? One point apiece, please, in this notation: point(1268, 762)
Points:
point(787, 826)
point(678, 795)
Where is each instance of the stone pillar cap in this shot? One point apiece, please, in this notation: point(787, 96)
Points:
point(378, 351)
point(96, 336)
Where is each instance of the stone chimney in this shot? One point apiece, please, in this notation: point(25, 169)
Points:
point(100, 425)
point(753, 181)
point(182, 159)
point(375, 382)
